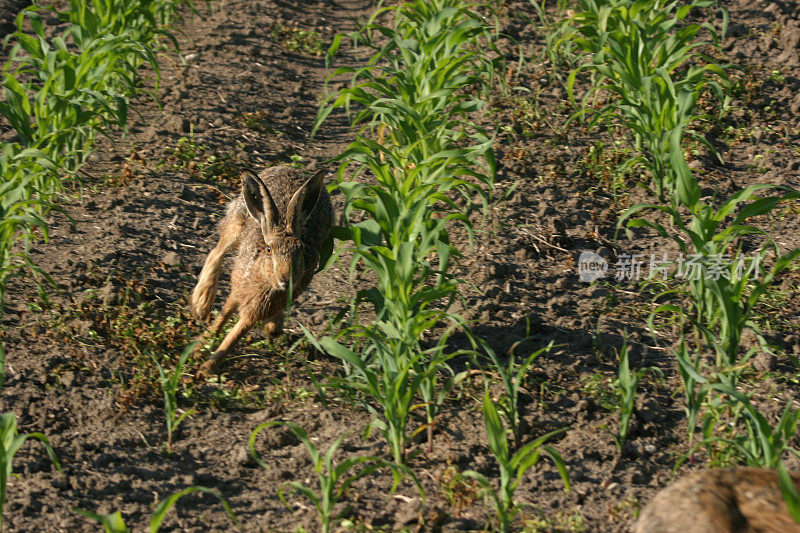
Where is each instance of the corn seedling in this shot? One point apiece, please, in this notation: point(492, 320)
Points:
point(393, 379)
point(406, 246)
point(560, 47)
point(21, 211)
point(111, 522)
point(723, 287)
point(512, 467)
point(760, 445)
point(789, 491)
point(170, 382)
point(512, 375)
point(10, 442)
point(75, 93)
point(695, 392)
point(626, 395)
point(142, 21)
point(115, 523)
point(409, 92)
point(332, 477)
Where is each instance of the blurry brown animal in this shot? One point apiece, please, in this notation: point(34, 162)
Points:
point(740, 500)
point(278, 223)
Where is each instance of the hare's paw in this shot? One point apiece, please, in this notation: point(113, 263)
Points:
point(206, 370)
point(274, 327)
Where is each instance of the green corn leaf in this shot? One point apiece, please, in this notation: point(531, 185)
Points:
point(789, 491)
point(166, 504)
point(112, 522)
point(495, 430)
point(687, 187)
point(561, 466)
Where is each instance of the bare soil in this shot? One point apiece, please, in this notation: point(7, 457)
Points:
point(125, 252)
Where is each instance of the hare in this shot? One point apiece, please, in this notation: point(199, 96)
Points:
point(278, 223)
point(746, 500)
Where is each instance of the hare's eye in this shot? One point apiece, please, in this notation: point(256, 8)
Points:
point(269, 250)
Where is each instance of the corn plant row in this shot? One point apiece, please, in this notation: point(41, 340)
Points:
point(431, 164)
point(415, 140)
point(723, 301)
point(59, 93)
point(636, 47)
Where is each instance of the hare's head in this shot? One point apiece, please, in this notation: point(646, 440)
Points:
point(284, 252)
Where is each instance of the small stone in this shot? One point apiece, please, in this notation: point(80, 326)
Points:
point(649, 448)
point(66, 379)
point(240, 456)
point(582, 405)
point(171, 259)
point(408, 511)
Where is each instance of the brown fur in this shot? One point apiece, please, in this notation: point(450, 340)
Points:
point(278, 224)
point(734, 500)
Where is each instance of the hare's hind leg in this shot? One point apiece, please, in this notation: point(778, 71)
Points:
point(230, 234)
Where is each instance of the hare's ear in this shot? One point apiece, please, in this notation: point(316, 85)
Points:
point(303, 202)
point(259, 202)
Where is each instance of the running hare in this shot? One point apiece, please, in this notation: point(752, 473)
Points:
point(746, 500)
point(278, 224)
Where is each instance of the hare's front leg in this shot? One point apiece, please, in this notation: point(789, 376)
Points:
point(245, 322)
point(231, 305)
